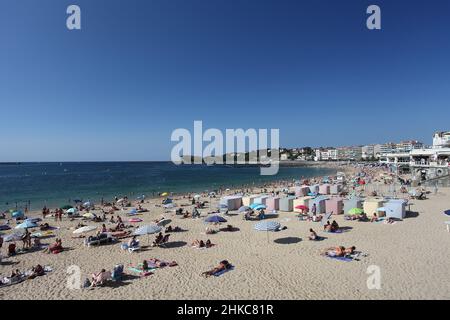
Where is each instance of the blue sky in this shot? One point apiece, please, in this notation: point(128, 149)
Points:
point(137, 70)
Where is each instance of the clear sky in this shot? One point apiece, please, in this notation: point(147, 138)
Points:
point(139, 69)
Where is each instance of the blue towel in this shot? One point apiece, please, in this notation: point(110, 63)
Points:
point(218, 274)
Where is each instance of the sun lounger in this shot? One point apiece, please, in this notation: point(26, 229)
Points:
point(103, 238)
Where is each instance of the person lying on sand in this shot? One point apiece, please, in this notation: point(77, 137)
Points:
point(339, 251)
point(55, 248)
point(44, 226)
point(312, 235)
point(173, 229)
point(161, 264)
point(210, 230)
point(201, 244)
point(223, 265)
point(159, 220)
point(36, 271)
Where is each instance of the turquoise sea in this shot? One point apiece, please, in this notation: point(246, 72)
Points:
point(54, 184)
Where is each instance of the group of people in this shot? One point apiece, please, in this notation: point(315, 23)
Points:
point(202, 244)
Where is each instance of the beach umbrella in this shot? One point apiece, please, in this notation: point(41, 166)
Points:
point(66, 207)
point(164, 222)
point(325, 218)
point(447, 212)
point(260, 207)
point(302, 207)
point(244, 208)
point(215, 219)
point(26, 224)
point(4, 227)
point(18, 214)
point(72, 211)
point(120, 201)
point(355, 211)
point(89, 215)
point(254, 205)
point(141, 197)
point(147, 230)
point(85, 229)
point(197, 196)
point(267, 226)
point(13, 236)
point(88, 204)
point(169, 205)
point(164, 194)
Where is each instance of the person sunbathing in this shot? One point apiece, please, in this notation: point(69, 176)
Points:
point(36, 271)
point(334, 226)
point(99, 278)
point(312, 235)
point(374, 218)
point(133, 243)
point(55, 248)
point(339, 251)
point(174, 229)
point(44, 226)
point(161, 264)
point(223, 265)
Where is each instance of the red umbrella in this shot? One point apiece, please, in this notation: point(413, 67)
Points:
point(302, 207)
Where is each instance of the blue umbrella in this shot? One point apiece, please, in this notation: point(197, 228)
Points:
point(267, 226)
point(17, 214)
point(447, 212)
point(147, 229)
point(253, 205)
point(26, 224)
point(259, 207)
point(13, 237)
point(244, 208)
point(215, 219)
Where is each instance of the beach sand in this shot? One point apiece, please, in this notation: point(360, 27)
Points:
point(413, 256)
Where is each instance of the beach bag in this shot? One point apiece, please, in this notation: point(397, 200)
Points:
point(117, 272)
point(86, 283)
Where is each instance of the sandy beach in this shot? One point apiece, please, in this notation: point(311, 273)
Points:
point(412, 256)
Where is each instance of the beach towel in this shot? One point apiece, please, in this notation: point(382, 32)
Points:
point(145, 273)
point(218, 274)
point(337, 231)
point(340, 258)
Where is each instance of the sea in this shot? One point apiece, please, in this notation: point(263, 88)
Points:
point(55, 184)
